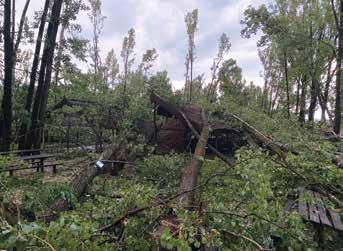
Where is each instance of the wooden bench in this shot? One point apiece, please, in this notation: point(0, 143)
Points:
point(315, 211)
point(14, 168)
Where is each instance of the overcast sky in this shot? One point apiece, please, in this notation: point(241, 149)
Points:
point(160, 24)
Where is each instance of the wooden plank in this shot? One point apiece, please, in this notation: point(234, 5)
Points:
point(302, 205)
point(289, 204)
point(38, 156)
point(314, 213)
point(322, 210)
point(313, 210)
point(336, 220)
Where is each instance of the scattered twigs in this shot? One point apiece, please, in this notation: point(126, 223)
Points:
point(258, 246)
point(288, 167)
point(158, 203)
point(245, 216)
point(42, 241)
point(139, 210)
point(128, 214)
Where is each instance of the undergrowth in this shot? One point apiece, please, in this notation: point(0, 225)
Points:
point(240, 208)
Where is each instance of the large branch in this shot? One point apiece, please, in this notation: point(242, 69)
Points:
point(273, 146)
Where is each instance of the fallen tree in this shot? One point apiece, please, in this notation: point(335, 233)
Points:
point(82, 180)
point(269, 143)
point(190, 174)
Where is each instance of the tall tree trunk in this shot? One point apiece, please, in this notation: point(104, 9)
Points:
point(7, 96)
point(19, 35)
point(313, 97)
point(302, 110)
point(337, 122)
point(326, 90)
point(275, 98)
point(29, 98)
point(13, 20)
point(313, 100)
point(325, 110)
point(298, 97)
point(270, 104)
point(266, 96)
point(191, 80)
point(287, 85)
point(21, 27)
point(59, 55)
point(39, 107)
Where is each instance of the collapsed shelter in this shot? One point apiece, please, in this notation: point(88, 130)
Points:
point(174, 134)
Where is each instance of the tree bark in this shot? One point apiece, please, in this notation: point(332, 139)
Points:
point(29, 98)
point(59, 55)
point(41, 98)
point(191, 173)
point(21, 26)
point(191, 78)
point(298, 97)
point(337, 121)
point(8, 80)
point(275, 99)
point(313, 100)
point(324, 108)
point(19, 35)
point(325, 96)
point(265, 96)
point(314, 84)
point(303, 101)
point(13, 20)
point(287, 85)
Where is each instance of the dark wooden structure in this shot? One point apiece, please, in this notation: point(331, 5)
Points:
point(311, 206)
point(174, 133)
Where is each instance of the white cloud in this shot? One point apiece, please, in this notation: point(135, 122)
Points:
point(160, 24)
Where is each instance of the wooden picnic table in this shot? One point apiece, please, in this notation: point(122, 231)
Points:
point(37, 159)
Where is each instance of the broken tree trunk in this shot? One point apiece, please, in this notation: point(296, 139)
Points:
point(228, 161)
point(190, 174)
point(81, 181)
point(271, 145)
